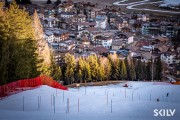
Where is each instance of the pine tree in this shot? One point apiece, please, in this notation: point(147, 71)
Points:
point(4, 46)
point(18, 45)
point(87, 72)
point(25, 66)
point(70, 68)
point(93, 62)
point(123, 71)
point(44, 52)
point(107, 67)
point(132, 71)
point(114, 60)
point(101, 70)
point(158, 69)
point(22, 34)
point(56, 72)
point(139, 69)
point(79, 70)
point(127, 64)
point(148, 71)
point(144, 72)
point(20, 23)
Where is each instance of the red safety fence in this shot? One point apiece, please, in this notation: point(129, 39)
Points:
point(27, 84)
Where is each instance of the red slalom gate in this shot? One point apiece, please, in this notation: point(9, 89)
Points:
point(27, 84)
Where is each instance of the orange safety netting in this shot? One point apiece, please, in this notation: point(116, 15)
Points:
point(27, 84)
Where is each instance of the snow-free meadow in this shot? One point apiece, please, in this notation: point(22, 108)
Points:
point(111, 102)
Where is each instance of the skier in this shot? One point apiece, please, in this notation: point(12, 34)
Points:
point(167, 94)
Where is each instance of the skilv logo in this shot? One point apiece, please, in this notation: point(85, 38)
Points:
point(164, 112)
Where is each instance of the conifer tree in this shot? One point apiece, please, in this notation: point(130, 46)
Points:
point(123, 71)
point(86, 72)
point(93, 62)
point(107, 67)
point(56, 72)
point(144, 71)
point(44, 52)
point(114, 60)
point(148, 71)
point(20, 23)
point(101, 70)
point(79, 70)
point(4, 46)
point(18, 45)
point(70, 68)
point(132, 71)
point(158, 69)
point(127, 64)
point(22, 34)
point(139, 69)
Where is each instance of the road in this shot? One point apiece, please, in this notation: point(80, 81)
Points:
point(133, 4)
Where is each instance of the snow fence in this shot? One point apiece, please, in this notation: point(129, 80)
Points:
point(27, 84)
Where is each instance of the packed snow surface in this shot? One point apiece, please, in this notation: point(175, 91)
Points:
point(137, 102)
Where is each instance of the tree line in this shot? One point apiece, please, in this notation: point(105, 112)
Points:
point(23, 52)
point(94, 68)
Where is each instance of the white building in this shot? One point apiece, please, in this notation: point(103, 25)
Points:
point(143, 17)
point(145, 28)
point(67, 14)
point(50, 22)
point(130, 39)
point(147, 48)
point(104, 41)
point(49, 36)
point(101, 21)
point(169, 58)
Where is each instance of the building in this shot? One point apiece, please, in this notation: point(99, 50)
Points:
point(126, 38)
point(79, 18)
point(56, 35)
point(147, 48)
point(151, 29)
point(121, 23)
point(169, 58)
point(84, 25)
point(117, 44)
point(49, 36)
point(67, 14)
point(101, 21)
point(104, 41)
point(50, 22)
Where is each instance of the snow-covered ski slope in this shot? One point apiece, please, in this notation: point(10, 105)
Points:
point(137, 102)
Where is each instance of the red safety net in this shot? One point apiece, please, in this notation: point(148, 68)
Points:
point(27, 84)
